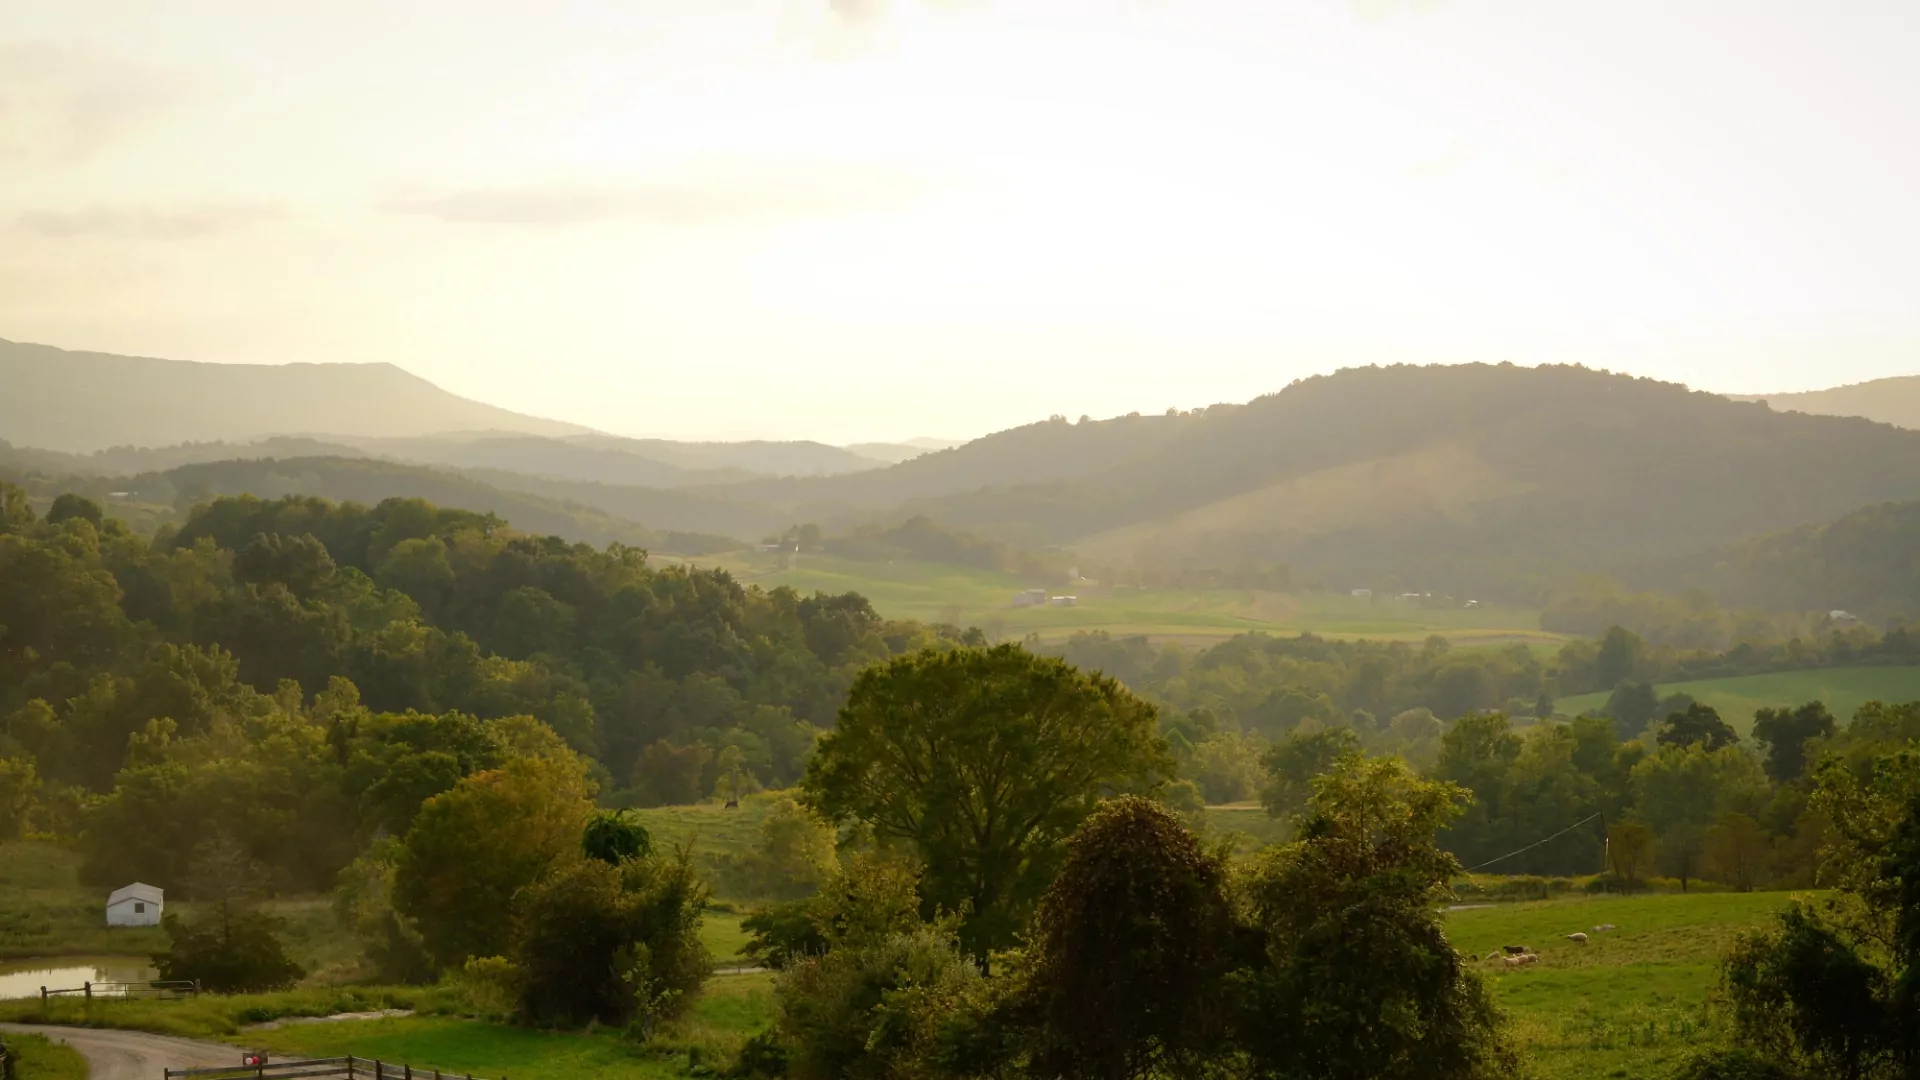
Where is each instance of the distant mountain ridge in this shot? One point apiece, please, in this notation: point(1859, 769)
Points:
point(1893, 401)
point(85, 401)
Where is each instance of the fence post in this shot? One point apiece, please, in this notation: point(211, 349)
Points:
point(379, 1070)
point(43, 997)
point(349, 1067)
point(88, 987)
point(407, 1071)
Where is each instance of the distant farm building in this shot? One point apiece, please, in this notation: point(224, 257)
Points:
point(1063, 601)
point(1843, 618)
point(135, 905)
point(1363, 593)
point(1030, 598)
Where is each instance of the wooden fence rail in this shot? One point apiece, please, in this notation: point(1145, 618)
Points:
point(349, 1067)
point(156, 988)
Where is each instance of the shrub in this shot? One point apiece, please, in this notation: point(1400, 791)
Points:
point(235, 952)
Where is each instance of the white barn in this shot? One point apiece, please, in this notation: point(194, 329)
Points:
point(135, 905)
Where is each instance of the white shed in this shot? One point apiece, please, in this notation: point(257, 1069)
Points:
point(135, 905)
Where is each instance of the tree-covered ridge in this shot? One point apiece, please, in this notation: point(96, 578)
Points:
point(1862, 563)
point(1473, 479)
point(661, 676)
point(167, 495)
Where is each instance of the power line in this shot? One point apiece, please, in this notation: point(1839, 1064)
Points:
point(1530, 847)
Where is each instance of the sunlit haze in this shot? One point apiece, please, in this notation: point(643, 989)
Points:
point(867, 219)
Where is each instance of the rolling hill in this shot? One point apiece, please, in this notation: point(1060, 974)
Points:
point(1478, 478)
point(85, 401)
point(1890, 401)
point(149, 498)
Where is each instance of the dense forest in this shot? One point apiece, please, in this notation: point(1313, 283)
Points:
point(116, 646)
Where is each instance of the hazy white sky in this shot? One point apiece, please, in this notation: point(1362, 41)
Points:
point(851, 219)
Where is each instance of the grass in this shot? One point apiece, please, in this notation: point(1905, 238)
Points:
point(730, 1010)
point(724, 937)
point(36, 1057)
point(1633, 1002)
point(935, 592)
point(214, 1016)
point(1736, 699)
point(45, 912)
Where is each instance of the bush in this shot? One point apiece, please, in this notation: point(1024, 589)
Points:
point(234, 952)
point(614, 944)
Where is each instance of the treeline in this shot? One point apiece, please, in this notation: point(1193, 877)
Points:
point(1251, 712)
point(306, 671)
point(168, 495)
point(1862, 563)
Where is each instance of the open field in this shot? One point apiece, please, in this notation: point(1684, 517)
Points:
point(1843, 689)
point(933, 592)
point(729, 1011)
point(1633, 1002)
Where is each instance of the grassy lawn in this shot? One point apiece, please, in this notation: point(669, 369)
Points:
point(38, 1058)
point(46, 912)
point(935, 592)
point(1632, 1002)
point(1736, 699)
point(730, 1010)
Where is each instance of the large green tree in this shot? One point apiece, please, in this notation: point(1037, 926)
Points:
point(473, 848)
point(1129, 950)
point(1352, 976)
point(985, 760)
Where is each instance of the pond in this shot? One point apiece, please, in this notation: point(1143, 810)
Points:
point(24, 978)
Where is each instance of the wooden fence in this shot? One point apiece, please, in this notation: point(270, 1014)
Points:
point(6, 1063)
point(349, 1068)
point(159, 988)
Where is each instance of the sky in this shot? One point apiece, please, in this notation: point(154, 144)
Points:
point(875, 219)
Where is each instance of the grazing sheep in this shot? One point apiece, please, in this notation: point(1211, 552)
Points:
point(1603, 928)
point(1577, 939)
point(1516, 950)
point(1520, 960)
point(1494, 955)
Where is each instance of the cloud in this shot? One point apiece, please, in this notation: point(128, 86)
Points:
point(145, 223)
point(766, 193)
point(62, 103)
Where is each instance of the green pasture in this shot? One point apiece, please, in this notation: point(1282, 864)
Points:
point(1736, 699)
point(1632, 1002)
point(36, 1057)
point(731, 1009)
point(935, 592)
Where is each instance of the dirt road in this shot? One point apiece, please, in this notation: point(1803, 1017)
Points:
point(131, 1055)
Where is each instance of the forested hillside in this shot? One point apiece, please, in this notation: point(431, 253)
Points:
point(85, 401)
point(1890, 401)
point(1866, 563)
point(152, 497)
point(160, 670)
point(1475, 478)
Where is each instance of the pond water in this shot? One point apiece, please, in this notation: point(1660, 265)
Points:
point(24, 978)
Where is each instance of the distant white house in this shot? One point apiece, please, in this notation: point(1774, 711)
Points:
point(1362, 593)
point(1030, 598)
point(135, 905)
point(1063, 601)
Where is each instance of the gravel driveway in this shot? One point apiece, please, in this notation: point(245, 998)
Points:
point(131, 1055)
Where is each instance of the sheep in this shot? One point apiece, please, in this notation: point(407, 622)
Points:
point(1577, 938)
point(1516, 950)
point(1494, 955)
point(1521, 959)
point(1603, 928)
